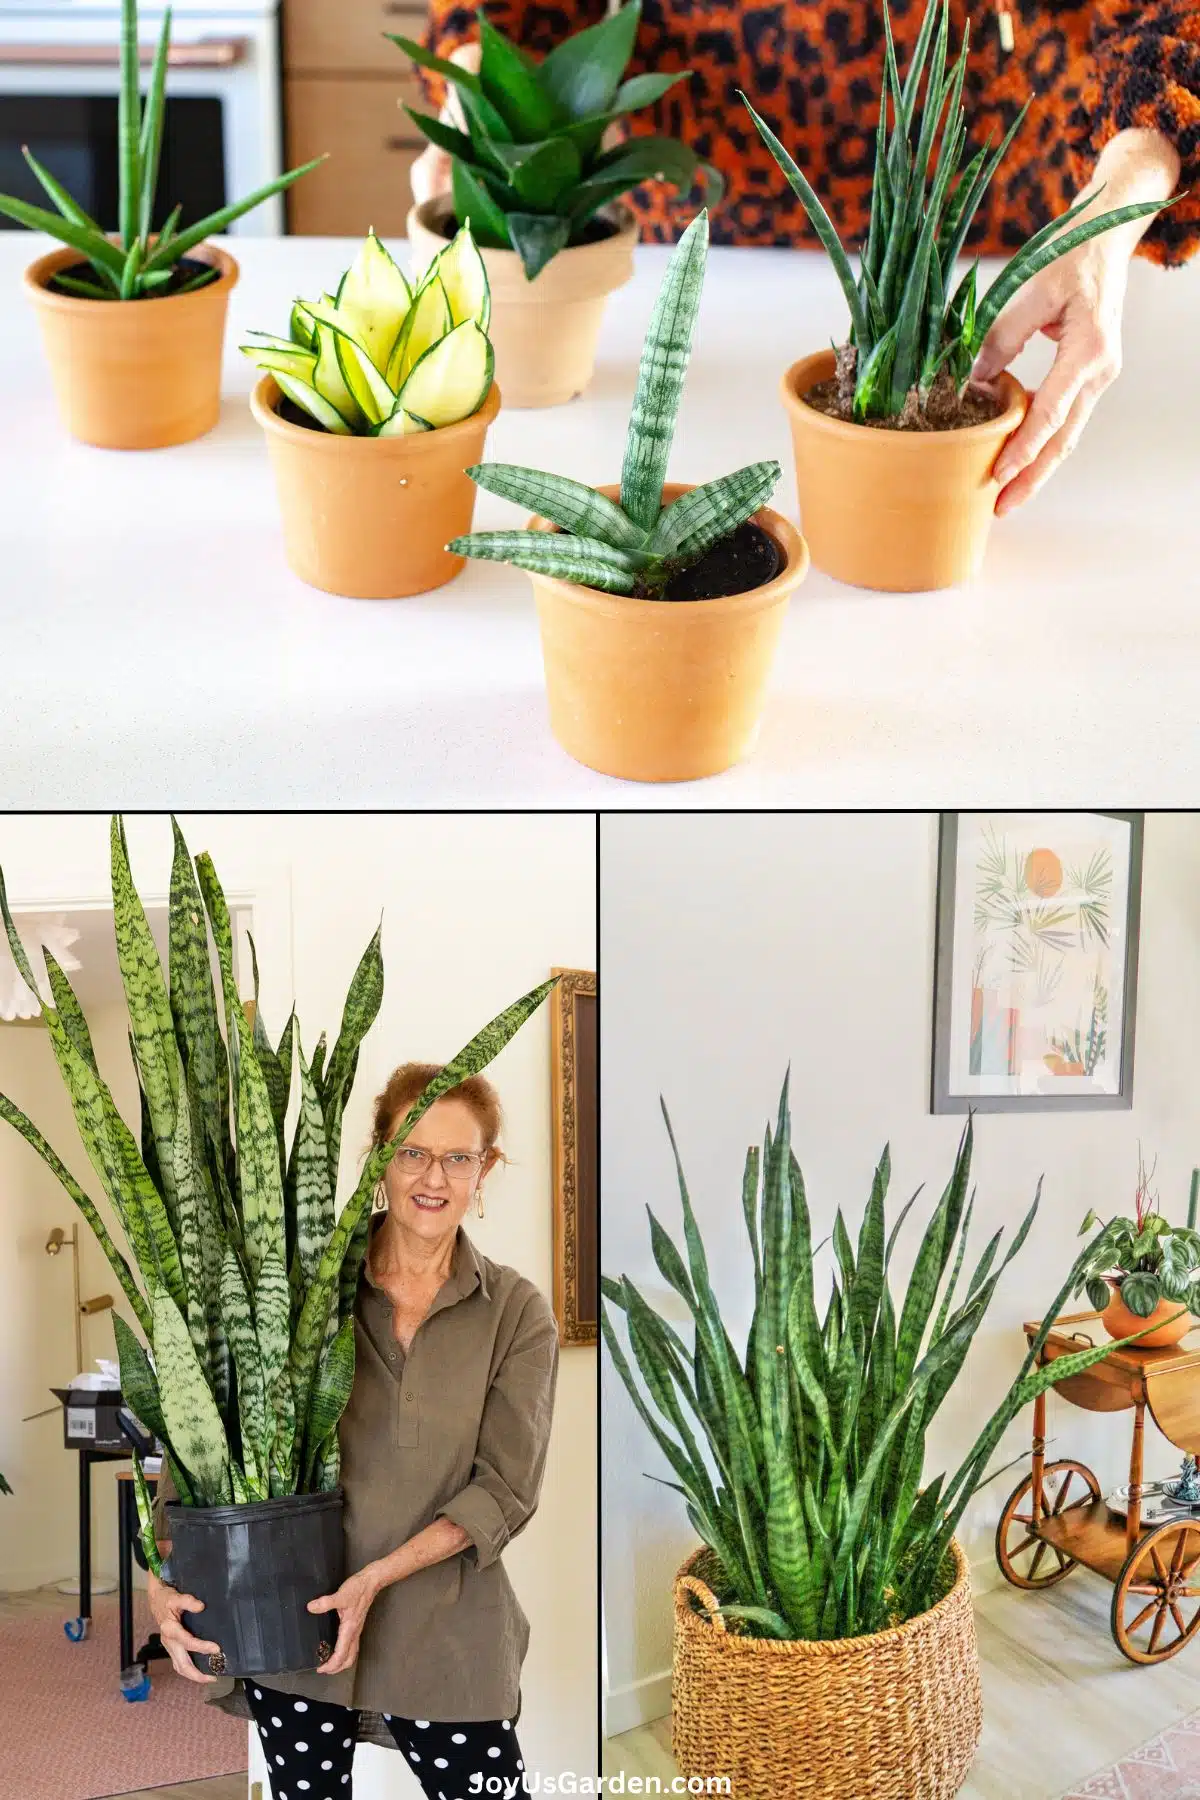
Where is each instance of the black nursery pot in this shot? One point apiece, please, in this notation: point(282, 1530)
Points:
point(256, 1568)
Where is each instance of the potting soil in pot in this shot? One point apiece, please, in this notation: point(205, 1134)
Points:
point(184, 271)
point(944, 408)
point(748, 558)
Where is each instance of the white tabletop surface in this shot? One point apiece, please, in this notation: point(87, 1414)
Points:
point(155, 650)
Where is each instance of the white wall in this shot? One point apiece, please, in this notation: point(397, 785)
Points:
point(733, 945)
point(476, 910)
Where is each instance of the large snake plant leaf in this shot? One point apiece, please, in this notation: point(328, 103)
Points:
point(120, 1267)
point(259, 1176)
point(511, 82)
point(578, 559)
point(272, 1317)
point(330, 1394)
point(188, 1199)
point(256, 1426)
point(147, 1002)
point(310, 1178)
point(375, 298)
point(363, 1000)
point(309, 1335)
point(139, 1384)
point(145, 1512)
point(193, 998)
point(194, 1427)
point(570, 505)
point(703, 516)
point(663, 365)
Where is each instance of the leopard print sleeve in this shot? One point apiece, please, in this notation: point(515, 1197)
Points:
point(1146, 72)
point(531, 23)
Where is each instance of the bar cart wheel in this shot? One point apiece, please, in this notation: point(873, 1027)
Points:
point(77, 1629)
point(1156, 1601)
point(1064, 1485)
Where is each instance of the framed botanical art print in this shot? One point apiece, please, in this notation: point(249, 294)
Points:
point(575, 1096)
point(1035, 975)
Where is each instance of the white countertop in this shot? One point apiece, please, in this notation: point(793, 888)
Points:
point(156, 651)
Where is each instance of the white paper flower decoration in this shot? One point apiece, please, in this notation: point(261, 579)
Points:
point(16, 1001)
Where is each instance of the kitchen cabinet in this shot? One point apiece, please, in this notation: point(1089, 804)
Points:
point(345, 88)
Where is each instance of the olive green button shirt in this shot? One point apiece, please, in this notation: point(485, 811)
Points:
point(457, 1428)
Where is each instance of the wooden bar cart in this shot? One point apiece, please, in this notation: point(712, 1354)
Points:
point(1057, 1516)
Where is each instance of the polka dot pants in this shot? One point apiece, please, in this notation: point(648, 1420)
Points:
point(309, 1749)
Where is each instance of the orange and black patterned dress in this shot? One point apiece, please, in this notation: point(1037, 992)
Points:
point(1092, 67)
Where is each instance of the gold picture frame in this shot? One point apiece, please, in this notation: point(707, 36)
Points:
point(575, 1111)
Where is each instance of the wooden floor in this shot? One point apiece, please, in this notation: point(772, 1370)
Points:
point(1060, 1701)
point(217, 1787)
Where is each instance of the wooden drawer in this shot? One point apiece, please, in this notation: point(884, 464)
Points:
point(372, 146)
point(323, 37)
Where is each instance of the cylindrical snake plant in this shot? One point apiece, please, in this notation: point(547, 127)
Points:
point(639, 542)
point(802, 1465)
point(906, 324)
point(138, 265)
point(243, 1277)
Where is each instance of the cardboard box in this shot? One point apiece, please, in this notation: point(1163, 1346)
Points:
point(90, 1419)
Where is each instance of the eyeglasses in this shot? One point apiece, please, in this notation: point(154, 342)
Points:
point(456, 1165)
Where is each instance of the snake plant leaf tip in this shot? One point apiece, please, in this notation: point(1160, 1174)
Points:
point(801, 1461)
point(913, 333)
point(386, 358)
point(242, 1273)
point(531, 167)
point(138, 264)
point(636, 544)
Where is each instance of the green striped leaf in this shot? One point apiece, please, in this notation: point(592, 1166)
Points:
point(584, 560)
point(194, 1429)
point(308, 1177)
point(363, 1000)
point(330, 1394)
point(663, 364)
point(139, 1384)
point(194, 1002)
point(129, 125)
point(147, 1002)
point(145, 1511)
point(309, 1335)
point(703, 516)
point(256, 1428)
point(568, 504)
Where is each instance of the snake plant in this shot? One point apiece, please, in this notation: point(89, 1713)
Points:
point(245, 1279)
point(138, 265)
point(639, 543)
point(382, 359)
point(907, 327)
point(810, 1485)
point(530, 171)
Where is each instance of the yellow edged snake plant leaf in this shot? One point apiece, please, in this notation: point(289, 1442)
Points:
point(246, 1263)
point(802, 1467)
point(349, 361)
point(906, 325)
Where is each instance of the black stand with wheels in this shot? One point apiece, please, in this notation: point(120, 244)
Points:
point(135, 1679)
point(80, 1627)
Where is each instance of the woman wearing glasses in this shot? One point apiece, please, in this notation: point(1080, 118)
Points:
point(443, 1449)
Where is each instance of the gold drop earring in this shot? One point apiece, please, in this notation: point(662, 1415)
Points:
point(479, 1200)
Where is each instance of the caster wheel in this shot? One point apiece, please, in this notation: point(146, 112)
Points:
point(135, 1683)
point(77, 1629)
point(1156, 1602)
point(1023, 1558)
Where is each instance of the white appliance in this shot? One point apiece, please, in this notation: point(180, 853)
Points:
point(58, 88)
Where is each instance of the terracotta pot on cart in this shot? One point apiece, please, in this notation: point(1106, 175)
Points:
point(1057, 1517)
point(895, 1715)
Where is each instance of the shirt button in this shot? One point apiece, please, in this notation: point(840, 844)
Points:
point(408, 1396)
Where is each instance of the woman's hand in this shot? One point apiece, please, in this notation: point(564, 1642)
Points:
point(166, 1604)
point(1076, 301)
point(352, 1602)
point(430, 174)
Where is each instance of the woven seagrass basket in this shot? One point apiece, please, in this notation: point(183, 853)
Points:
point(895, 1716)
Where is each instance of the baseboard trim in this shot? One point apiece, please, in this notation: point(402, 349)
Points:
point(638, 1703)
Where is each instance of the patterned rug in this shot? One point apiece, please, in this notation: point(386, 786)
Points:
point(1166, 1768)
point(65, 1725)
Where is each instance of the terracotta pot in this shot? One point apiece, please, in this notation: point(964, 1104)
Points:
point(543, 331)
point(135, 374)
point(897, 510)
point(1119, 1322)
point(662, 690)
point(370, 517)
